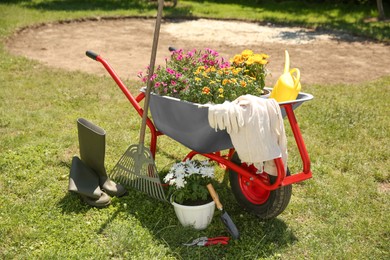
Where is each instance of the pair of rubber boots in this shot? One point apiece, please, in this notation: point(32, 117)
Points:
point(88, 176)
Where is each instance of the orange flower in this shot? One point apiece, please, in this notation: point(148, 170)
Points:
point(237, 59)
point(225, 81)
point(206, 90)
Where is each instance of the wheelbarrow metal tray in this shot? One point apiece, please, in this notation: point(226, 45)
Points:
point(188, 124)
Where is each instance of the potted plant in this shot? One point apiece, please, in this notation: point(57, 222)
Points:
point(205, 77)
point(188, 192)
point(200, 77)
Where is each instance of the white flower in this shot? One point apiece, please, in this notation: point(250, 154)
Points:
point(207, 172)
point(172, 182)
point(179, 169)
point(204, 163)
point(192, 168)
point(180, 182)
point(168, 177)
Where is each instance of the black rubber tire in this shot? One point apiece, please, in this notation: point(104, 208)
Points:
point(274, 205)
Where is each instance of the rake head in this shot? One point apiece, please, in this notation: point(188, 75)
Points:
point(136, 169)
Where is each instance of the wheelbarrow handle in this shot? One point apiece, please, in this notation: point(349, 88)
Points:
point(92, 55)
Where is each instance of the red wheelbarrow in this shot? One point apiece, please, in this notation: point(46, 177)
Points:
point(264, 195)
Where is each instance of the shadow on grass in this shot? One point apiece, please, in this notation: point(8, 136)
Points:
point(138, 211)
point(72, 203)
point(140, 6)
point(258, 238)
point(297, 11)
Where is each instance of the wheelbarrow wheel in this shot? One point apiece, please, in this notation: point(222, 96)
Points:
point(252, 198)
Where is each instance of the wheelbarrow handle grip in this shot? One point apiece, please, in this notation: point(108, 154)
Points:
point(92, 55)
point(214, 195)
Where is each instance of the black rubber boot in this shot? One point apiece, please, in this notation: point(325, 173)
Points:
point(85, 182)
point(92, 142)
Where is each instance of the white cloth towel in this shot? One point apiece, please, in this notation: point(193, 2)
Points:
point(256, 128)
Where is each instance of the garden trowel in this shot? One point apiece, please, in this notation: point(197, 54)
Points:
point(226, 219)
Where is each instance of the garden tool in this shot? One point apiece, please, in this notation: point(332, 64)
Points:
point(287, 86)
point(226, 219)
point(205, 241)
point(136, 167)
point(85, 182)
point(92, 143)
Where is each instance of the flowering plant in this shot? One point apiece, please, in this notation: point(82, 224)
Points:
point(187, 181)
point(205, 77)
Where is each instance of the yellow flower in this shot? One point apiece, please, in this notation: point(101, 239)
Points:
point(199, 70)
point(246, 53)
point(250, 61)
point(263, 62)
point(197, 79)
point(211, 69)
point(243, 83)
point(225, 81)
point(236, 71)
point(220, 90)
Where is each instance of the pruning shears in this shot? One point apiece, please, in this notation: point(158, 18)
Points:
point(205, 241)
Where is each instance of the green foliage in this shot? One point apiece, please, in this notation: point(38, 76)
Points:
point(340, 213)
point(205, 77)
point(188, 180)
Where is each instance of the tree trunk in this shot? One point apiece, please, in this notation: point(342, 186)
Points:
point(381, 11)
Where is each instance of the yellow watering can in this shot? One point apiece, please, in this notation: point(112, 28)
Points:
point(288, 86)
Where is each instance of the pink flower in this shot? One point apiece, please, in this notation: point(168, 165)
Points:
point(212, 52)
point(170, 71)
point(191, 54)
point(153, 77)
point(179, 57)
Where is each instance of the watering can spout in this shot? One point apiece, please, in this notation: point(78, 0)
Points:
point(286, 62)
point(288, 84)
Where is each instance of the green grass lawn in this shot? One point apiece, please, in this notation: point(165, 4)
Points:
point(341, 213)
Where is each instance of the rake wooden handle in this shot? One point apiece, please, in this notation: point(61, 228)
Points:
point(151, 71)
point(214, 195)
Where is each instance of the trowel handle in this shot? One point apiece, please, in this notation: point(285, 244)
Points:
point(214, 195)
point(297, 78)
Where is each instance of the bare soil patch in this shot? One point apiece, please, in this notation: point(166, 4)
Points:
point(322, 57)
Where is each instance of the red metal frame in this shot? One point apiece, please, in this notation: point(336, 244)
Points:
point(224, 160)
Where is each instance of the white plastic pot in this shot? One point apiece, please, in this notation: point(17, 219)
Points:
point(199, 217)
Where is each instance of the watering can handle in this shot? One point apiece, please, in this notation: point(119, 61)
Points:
point(297, 78)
